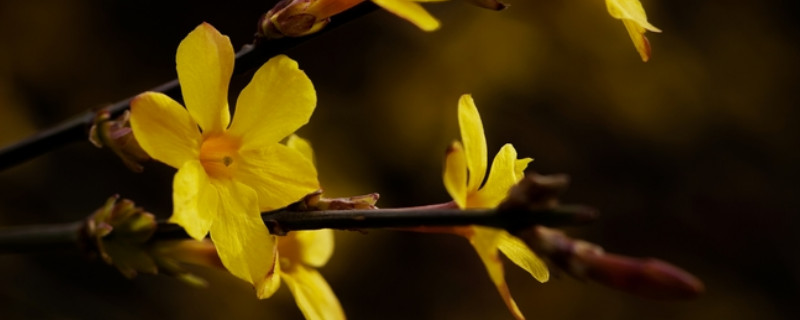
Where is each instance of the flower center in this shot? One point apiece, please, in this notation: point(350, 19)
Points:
point(218, 155)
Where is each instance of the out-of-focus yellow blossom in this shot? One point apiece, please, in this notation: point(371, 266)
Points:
point(227, 175)
point(299, 253)
point(411, 11)
point(633, 16)
point(464, 172)
point(296, 18)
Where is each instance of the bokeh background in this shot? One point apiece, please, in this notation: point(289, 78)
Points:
point(690, 157)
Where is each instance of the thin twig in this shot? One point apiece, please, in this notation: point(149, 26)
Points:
point(39, 238)
point(57, 237)
point(76, 128)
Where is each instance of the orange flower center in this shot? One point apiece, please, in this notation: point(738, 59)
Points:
point(219, 155)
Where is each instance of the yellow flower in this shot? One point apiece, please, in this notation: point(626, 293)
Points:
point(299, 253)
point(296, 18)
point(465, 169)
point(226, 174)
point(633, 16)
point(411, 11)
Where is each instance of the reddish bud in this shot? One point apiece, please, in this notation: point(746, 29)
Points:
point(651, 278)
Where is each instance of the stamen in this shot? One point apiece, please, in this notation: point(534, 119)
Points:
point(218, 155)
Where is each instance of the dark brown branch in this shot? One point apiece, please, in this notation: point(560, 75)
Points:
point(285, 221)
point(40, 238)
point(281, 222)
point(75, 129)
point(57, 237)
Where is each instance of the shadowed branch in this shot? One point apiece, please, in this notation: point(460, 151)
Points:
point(530, 210)
point(76, 128)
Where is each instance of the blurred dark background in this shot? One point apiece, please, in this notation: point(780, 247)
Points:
point(690, 157)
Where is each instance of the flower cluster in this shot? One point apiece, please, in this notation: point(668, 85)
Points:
point(230, 169)
point(464, 173)
point(294, 18)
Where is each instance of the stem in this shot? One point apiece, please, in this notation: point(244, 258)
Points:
point(40, 238)
point(75, 129)
point(283, 221)
point(280, 222)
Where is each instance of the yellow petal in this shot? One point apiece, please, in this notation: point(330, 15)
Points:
point(519, 168)
point(501, 178)
point(485, 242)
point(410, 11)
point(316, 247)
point(279, 100)
point(301, 145)
point(195, 200)
point(205, 64)
point(630, 10)
point(280, 175)
point(640, 42)
point(244, 245)
point(164, 129)
point(312, 293)
point(273, 281)
point(455, 174)
point(633, 16)
point(474, 141)
point(521, 255)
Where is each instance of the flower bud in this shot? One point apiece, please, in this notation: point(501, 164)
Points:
point(316, 202)
point(295, 18)
point(118, 233)
point(650, 278)
point(122, 235)
point(117, 135)
point(171, 255)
